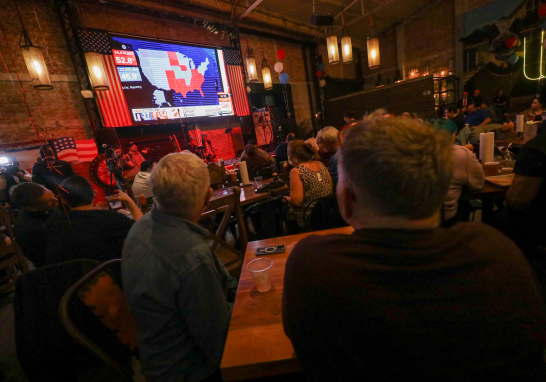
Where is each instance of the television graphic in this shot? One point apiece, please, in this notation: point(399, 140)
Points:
point(164, 81)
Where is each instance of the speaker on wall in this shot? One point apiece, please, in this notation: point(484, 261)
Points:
point(247, 125)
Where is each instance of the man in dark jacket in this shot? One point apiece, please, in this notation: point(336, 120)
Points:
point(51, 172)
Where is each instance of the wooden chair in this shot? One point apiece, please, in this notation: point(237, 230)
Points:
point(11, 256)
point(217, 174)
point(228, 205)
point(323, 213)
point(102, 294)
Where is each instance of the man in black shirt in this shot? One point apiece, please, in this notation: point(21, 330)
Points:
point(399, 296)
point(526, 197)
point(50, 171)
point(453, 114)
point(37, 206)
point(87, 233)
point(281, 151)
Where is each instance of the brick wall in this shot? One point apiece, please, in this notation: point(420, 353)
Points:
point(60, 111)
point(429, 37)
point(292, 64)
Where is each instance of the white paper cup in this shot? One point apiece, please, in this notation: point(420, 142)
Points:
point(260, 269)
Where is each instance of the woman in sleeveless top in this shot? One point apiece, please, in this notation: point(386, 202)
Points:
point(309, 180)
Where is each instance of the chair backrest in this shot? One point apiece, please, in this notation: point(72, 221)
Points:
point(323, 213)
point(228, 205)
point(43, 346)
point(217, 173)
point(101, 292)
point(11, 256)
point(267, 218)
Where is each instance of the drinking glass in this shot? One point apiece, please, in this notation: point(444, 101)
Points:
point(260, 269)
point(259, 182)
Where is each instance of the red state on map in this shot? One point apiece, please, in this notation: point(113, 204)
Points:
point(179, 85)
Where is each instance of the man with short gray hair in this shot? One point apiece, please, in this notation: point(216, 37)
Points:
point(328, 142)
point(401, 297)
point(177, 288)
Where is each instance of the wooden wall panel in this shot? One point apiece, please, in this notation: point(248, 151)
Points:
point(414, 96)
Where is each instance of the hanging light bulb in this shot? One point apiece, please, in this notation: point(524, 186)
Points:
point(35, 63)
point(97, 74)
point(374, 59)
point(266, 75)
point(252, 73)
point(333, 52)
point(347, 49)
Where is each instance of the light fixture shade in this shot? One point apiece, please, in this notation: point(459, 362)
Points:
point(97, 74)
point(36, 67)
point(347, 49)
point(268, 81)
point(374, 58)
point(333, 51)
point(251, 71)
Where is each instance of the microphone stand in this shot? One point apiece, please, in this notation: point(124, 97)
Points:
point(274, 119)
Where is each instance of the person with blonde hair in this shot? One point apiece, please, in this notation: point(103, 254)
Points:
point(400, 296)
point(328, 142)
point(179, 291)
point(309, 179)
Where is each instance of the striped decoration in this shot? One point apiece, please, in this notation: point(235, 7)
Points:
point(112, 102)
point(234, 65)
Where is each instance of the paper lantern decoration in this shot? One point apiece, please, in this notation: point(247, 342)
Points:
point(333, 52)
point(374, 59)
point(511, 42)
point(321, 66)
point(319, 73)
point(284, 78)
point(347, 49)
point(512, 59)
point(281, 54)
point(97, 74)
point(278, 67)
point(542, 11)
point(251, 71)
point(322, 83)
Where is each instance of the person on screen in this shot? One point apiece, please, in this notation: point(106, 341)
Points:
point(180, 293)
point(400, 296)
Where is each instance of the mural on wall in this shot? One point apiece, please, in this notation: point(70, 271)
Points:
point(499, 25)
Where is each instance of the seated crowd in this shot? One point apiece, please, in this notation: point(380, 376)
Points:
point(415, 291)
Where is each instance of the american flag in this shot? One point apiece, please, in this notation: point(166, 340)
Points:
point(71, 150)
point(234, 66)
point(112, 102)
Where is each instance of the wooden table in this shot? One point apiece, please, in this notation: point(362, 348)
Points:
point(487, 194)
point(248, 193)
point(256, 345)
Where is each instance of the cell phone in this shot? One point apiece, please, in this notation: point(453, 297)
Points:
point(114, 205)
point(270, 250)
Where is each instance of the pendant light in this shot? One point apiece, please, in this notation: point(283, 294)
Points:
point(97, 74)
point(333, 52)
point(35, 62)
point(251, 68)
point(251, 71)
point(346, 44)
point(266, 72)
point(374, 59)
point(266, 75)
